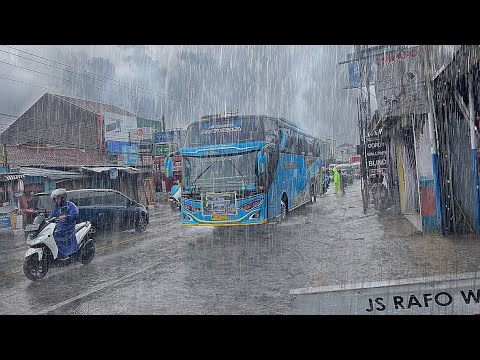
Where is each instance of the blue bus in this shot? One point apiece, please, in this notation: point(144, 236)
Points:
point(245, 170)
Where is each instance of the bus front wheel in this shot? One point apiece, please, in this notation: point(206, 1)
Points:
point(284, 203)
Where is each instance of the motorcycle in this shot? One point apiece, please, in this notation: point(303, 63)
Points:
point(43, 251)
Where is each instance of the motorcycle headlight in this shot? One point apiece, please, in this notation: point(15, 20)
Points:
point(34, 240)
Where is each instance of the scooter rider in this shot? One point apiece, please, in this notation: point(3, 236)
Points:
point(176, 191)
point(67, 214)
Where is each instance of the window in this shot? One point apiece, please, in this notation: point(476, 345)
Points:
point(291, 143)
point(271, 131)
point(117, 199)
point(98, 198)
point(82, 199)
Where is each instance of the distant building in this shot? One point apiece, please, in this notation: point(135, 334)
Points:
point(66, 133)
point(56, 120)
point(344, 152)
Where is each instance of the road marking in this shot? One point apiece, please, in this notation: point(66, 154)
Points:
point(94, 290)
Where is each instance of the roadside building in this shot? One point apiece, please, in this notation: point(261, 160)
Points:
point(64, 133)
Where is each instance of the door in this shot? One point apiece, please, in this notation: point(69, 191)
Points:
point(118, 204)
point(99, 212)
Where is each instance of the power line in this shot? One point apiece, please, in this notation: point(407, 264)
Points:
point(99, 75)
point(72, 81)
point(54, 91)
point(128, 86)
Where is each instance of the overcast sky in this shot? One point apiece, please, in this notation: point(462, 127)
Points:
point(304, 84)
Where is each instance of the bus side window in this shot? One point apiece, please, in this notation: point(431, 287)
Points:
point(291, 143)
point(283, 140)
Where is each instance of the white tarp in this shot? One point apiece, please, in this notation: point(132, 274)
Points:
point(117, 126)
point(400, 84)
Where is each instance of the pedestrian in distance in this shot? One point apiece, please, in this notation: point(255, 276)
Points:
point(336, 179)
point(343, 181)
point(326, 180)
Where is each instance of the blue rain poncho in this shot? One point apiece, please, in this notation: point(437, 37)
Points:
point(64, 233)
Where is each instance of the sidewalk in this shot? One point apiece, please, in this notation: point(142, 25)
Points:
point(11, 239)
point(382, 255)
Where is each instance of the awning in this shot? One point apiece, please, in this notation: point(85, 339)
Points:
point(100, 169)
point(51, 173)
point(11, 177)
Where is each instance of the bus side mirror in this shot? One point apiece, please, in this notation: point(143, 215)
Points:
point(168, 167)
point(261, 162)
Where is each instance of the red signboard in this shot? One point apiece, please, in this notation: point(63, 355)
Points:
point(356, 158)
point(177, 163)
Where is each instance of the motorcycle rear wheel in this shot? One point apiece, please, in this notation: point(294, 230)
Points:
point(88, 253)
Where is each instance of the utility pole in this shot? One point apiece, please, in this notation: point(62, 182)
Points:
point(363, 121)
point(362, 159)
point(163, 122)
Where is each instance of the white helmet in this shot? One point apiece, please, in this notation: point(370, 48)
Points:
point(61, 193)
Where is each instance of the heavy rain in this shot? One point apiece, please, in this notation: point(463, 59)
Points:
point(239, 179)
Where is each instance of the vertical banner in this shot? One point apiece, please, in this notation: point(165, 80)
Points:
point(354, 78)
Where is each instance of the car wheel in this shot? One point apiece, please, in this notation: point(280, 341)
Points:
point(141, 224)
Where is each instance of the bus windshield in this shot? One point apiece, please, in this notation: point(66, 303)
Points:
point(221, 174)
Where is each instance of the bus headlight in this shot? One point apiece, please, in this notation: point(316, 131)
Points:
point(187, 217)
point(255, 216)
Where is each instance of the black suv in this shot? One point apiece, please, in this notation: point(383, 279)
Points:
point(104, 208)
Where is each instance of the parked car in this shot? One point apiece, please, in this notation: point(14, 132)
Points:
point(106, 209)
point(356, 169)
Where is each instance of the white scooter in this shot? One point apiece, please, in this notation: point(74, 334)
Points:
point(175, 200)
point(43, 251)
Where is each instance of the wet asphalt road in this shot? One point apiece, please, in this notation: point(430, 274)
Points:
point(173, 269)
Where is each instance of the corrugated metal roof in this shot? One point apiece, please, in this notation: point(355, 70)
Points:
point(50, 173)
point(39, 156)
point(100, 169)
point(95, 107)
